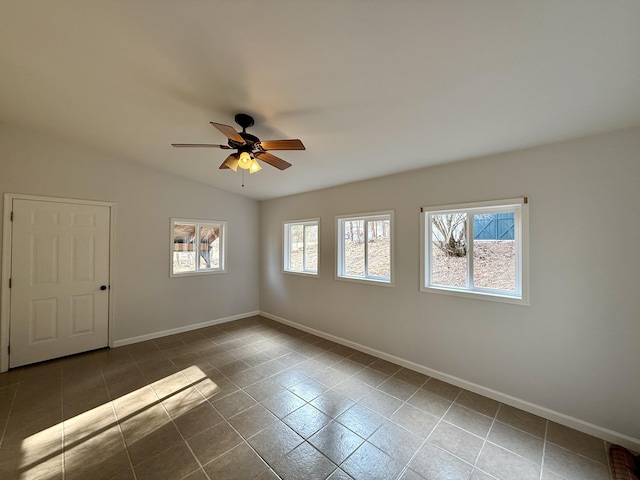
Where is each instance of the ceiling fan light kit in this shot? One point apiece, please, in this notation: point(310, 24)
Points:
point(231, 162)
point(254, 167)
point(249, 148)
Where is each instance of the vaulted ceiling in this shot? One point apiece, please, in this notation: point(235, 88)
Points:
point(371, 87)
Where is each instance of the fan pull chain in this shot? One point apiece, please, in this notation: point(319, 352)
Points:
point(242, 178)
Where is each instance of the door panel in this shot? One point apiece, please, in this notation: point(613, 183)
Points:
point(43, 320)
point(44, 255)
point(82, 317)
point(60, 258)
point(83, 257)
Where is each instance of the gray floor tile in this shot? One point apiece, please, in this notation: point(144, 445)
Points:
point(456, 441)
point(166, 409)
point(304, 462)
point(522, 420)
point(275, 441)
point(469, 420)
point(371, 463)
point(433, 463)
point(577, 442)
point(505, 465)
point(239, 463)
point(573, 466)
point(517, 441)
point(336, 442)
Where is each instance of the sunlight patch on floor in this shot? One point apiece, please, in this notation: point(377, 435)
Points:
point(100, 436)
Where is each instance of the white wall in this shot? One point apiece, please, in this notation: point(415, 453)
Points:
point(575, 350)
point(146, 299)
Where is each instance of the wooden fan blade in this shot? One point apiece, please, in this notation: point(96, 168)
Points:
point(230, 162)
point(272, 160)
point(229, 132)
point(282, 145)
point(204, 145)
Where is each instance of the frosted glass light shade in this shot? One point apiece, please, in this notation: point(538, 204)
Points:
point(245, 160)
point(255, 167)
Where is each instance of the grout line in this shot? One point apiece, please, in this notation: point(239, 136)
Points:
point(406, 466)
point(486, 439)
point(503, 447)
point(244, 441)
point(115, 415)
point(440, 420)
point(325, 367)
point(6, 424)
point(184, 440)
point(544, 448)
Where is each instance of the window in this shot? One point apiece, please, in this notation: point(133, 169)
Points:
point(197, 247)
point(365, 247)
point(301, 247)
point(477, 249)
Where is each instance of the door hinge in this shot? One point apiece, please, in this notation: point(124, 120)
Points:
point(11, 219)
point(9, 349)
point(9, 283)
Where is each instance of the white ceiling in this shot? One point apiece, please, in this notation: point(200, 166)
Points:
point(371, 87)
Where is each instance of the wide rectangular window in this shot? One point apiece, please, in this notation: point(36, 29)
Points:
point(197, 246)
point(477, 249)
point(301, 246)
point(365, 247)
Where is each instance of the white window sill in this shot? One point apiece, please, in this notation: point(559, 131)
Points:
point(368, 281)
point(191, 274)
point(302, 274)
point(477, 295)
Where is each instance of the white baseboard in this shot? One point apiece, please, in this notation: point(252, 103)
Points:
point(575, 423)
point(186, 328)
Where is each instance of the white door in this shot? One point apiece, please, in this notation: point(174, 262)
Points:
point(59, 280)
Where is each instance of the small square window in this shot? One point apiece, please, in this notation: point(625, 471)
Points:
point(365, 247)
point(197, 247)
point(301, 246)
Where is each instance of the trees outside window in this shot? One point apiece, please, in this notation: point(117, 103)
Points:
point(479, 249)
point(365, 247)
point(301, 246)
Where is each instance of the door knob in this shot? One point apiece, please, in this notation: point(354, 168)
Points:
point(103, 287)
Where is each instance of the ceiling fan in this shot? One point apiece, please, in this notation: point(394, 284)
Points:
point(249, 148)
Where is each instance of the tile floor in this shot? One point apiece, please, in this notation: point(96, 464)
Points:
point(257, 399)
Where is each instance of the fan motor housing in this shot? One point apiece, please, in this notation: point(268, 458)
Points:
point(249, 138)
point(244, 120)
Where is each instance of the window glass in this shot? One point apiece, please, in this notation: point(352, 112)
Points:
point(354, 248)
point(209, 247)
point(364, 247)
point(296, 243)
point(477, 248)
point(197, 247)
point(301, 247)
point(449, 249)
point(494, 252)
point(311, 248)
point(379, 248)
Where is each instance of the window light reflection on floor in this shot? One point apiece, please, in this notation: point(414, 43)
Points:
point(95, 437)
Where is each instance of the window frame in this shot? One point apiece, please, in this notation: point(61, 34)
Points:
point(340, 263)
point(286, 252)
point(520, 208)
point(222, 249)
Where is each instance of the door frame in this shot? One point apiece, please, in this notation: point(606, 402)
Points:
point(7, 235)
